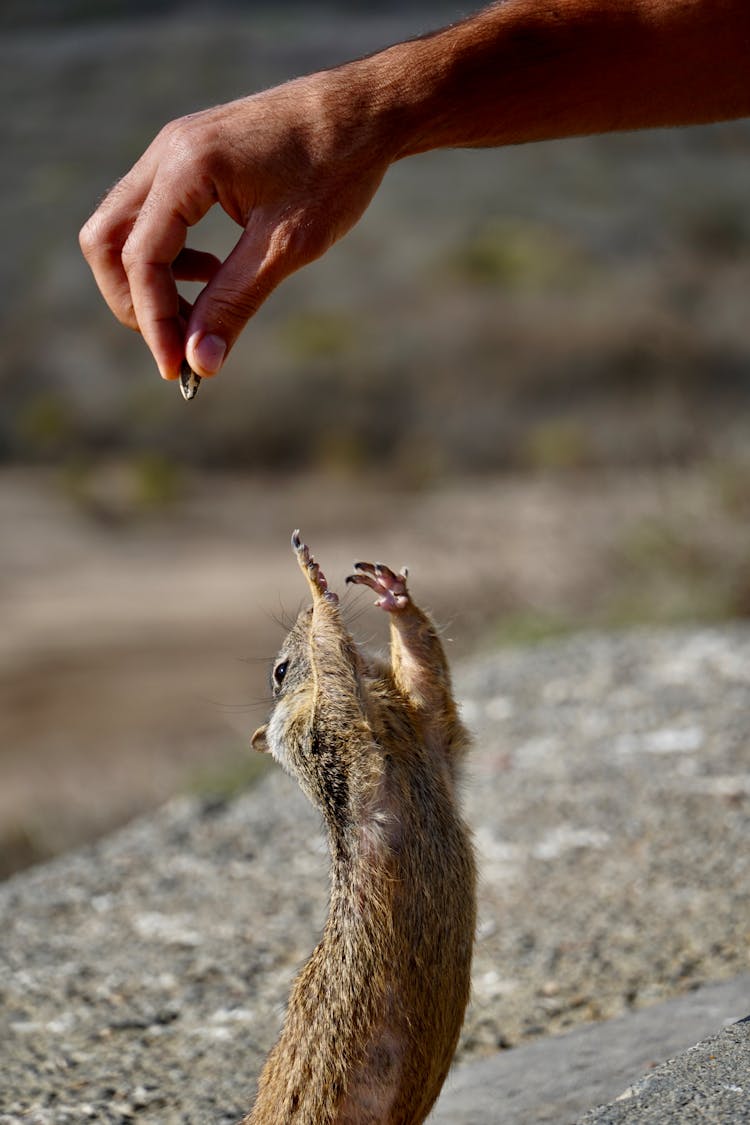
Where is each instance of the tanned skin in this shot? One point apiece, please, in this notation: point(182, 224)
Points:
point(297, 165)
point(374, 1016)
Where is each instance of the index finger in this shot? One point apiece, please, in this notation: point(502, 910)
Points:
point(155, 241)
point(104, 234)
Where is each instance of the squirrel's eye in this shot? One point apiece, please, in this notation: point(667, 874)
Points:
point(279, 672)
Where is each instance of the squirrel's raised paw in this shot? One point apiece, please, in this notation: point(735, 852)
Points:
point(391, 588)
point(312, 571)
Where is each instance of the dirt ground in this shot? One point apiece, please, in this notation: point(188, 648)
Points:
point(135, 644)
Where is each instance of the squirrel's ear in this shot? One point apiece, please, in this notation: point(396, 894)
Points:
point(258, 741)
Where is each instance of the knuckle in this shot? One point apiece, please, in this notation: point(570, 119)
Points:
point(134, 255)
point(192, 146)
point(100, 236)
point(126, 316)
point(86, 239)
point(91, 235)
point(172, 130)
point(178, 138)
point(130, 255)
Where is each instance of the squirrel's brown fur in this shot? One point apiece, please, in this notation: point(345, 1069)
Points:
point(374, 1016)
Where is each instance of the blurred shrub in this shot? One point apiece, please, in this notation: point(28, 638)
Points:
point(317, 335)
point(157, 481)
point(652, 545)
point(526, 627)
point(45, 425)
point(21, 846)
point(118, 492)
point(719, 230)
point(516, 254)
point(739, 595)
point(236, 774)
point(732, 483)
point(663, 573)
point(557, 444)
point(420, 460)
point(75, 480)
point(339, 452)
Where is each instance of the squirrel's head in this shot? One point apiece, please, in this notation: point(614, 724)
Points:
point(291, 690)
point(313, 681)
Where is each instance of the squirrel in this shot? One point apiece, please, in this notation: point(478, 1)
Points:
point(374, 1016)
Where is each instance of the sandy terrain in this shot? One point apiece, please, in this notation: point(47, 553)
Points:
point(134, 648)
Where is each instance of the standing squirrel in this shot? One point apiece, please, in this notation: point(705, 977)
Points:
point(374, 1016)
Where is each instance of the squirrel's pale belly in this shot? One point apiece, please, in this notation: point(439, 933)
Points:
point(375, 1086)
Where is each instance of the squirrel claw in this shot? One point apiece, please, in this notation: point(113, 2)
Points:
point(311, 570)
point(391, 587)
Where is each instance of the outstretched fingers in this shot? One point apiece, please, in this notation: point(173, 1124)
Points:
point(315, 577)
point(391, 588)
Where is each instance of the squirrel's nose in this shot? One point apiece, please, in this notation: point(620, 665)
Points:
point(258, 741)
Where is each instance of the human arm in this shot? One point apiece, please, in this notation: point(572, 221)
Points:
point(296, 166)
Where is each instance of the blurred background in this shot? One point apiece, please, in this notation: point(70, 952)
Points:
point(526, 374)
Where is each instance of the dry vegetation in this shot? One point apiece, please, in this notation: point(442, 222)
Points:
point(533, 362)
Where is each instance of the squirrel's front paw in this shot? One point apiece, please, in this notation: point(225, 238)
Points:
point(312, 571)
point(391, 588)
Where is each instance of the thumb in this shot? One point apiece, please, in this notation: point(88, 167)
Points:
point(261, 259)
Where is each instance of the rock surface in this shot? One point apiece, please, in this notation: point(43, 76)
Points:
point(144, 978)
point(709, 1082)
point(556, 1078)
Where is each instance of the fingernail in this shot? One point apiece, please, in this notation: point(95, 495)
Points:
point(208, 353)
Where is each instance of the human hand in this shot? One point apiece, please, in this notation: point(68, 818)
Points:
point(295, 167)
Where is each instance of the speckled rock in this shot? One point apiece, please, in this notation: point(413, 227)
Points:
point(143, 979)
point(709, 1083)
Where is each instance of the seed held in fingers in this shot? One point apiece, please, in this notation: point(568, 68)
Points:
point(189, 381)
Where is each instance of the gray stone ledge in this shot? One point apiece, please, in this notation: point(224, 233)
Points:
point(558, 1078)
point(143, 979)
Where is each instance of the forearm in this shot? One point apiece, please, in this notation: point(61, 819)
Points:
point(296, 166)
point(527, 71)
